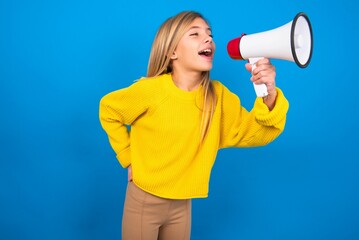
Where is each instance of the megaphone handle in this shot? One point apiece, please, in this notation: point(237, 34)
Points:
point(260, 89)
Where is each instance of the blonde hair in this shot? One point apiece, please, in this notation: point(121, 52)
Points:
point(164, 44)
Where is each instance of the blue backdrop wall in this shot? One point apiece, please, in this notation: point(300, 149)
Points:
point(59, 178)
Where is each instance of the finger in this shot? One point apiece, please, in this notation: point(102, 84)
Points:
point(248, 66)
point(269, 82)
point(263, 67)
point(263, 61)
point(129, 174)
point(263, 74)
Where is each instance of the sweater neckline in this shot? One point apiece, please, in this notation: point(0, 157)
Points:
point(171, 87)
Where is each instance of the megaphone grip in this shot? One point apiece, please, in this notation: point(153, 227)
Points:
point(260, 89)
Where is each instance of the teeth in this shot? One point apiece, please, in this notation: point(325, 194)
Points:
point(206, 50)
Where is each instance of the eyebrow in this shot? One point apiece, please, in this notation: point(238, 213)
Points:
point(194, 27)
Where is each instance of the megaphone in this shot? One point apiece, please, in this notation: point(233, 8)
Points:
point(292, 41)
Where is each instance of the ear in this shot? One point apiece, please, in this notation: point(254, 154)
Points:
point(174, 56)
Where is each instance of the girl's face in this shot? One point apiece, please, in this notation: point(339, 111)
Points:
point(196, 48)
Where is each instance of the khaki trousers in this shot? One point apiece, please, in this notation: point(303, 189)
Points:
point(148, 217)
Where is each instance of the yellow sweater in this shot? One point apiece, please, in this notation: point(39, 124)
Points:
point(162, 145)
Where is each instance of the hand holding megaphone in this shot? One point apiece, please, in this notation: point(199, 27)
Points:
point(264, 77)
point(292, 41)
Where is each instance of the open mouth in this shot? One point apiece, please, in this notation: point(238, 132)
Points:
point(206, 52)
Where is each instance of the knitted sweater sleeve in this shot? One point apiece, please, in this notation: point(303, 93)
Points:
point(258, 127)
point(118, 110)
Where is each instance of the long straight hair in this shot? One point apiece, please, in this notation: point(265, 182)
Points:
point(164, 44)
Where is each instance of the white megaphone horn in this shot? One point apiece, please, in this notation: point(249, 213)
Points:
point(292, 41)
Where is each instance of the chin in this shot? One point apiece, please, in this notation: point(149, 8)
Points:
point(207, 68)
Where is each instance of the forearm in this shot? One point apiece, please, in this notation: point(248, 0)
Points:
point(117, 133)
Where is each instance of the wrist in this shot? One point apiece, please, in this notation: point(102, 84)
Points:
point(270, 99)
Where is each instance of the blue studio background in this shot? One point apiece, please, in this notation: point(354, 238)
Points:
point(59, 178)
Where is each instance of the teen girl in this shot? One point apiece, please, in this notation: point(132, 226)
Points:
point(179, 119)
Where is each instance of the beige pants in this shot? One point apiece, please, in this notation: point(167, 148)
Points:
point(147, 217)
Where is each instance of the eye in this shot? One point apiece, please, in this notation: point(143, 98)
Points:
point(194, 34)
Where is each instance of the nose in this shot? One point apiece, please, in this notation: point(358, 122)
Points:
point(208, 39)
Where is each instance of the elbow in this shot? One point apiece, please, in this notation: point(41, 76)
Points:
point(265, 137)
